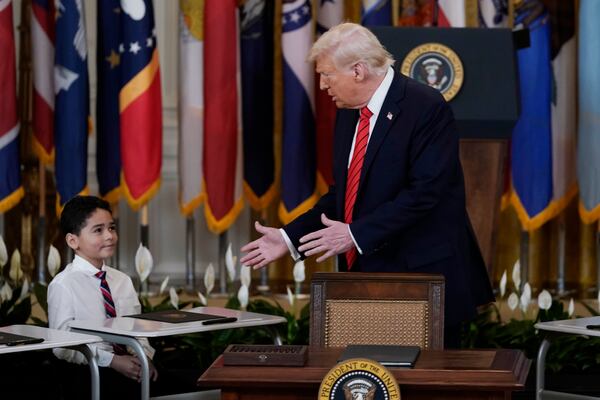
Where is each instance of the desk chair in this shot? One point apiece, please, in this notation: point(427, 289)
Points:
point(377, 308)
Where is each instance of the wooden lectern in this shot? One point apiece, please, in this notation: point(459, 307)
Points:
point(486, 109)
point(447, 374)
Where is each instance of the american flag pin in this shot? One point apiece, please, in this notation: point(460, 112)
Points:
point(389, 116)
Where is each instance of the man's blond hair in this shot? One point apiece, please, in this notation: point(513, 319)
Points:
point(348, 44)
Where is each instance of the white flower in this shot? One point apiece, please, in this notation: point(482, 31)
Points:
point(516, 275)
point(525, 297)
point(243, 296)
point(503, 284)
point(513, 301)
point(53, 261)
point(209, 278)
point(163, 285)
point(202, 299)
point(16, 273)
point(544, 300)
point(290, 296)
point(571, 307)
point(230, 263)
point(3, 253)
point(143, 262)
point(6, 292)
point(299, 269)
point(246, 276)
point(174, 298)
point(24, 289)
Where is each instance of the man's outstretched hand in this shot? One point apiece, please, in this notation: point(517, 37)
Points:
point(332, 240)
point(264, 250)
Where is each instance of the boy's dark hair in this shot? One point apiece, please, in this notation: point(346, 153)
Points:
point(78, 210)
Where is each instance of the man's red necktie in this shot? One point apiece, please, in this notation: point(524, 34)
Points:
point(353, 178)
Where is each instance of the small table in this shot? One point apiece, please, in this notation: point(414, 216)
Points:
point(125, 330)
point(54, 338)
point(576, 326)
point(437, 374)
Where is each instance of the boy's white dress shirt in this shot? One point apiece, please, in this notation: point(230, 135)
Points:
point(75, 293)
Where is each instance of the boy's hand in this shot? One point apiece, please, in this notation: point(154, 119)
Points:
point(152, 370)
point(131, 367)
point(127, 365)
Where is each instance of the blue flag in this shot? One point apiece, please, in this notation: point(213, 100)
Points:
point(588, 163)
point(532, 137)
point(298, 170)
point(257, 116)
point(108, 146)
point(71, 101)
point(376, 12)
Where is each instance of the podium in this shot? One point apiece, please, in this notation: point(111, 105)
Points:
point(448, 374)
point(486, 108)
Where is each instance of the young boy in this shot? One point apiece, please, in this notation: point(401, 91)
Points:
point(88, 289)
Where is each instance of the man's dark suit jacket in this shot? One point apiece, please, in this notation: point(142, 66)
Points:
point(410, 213)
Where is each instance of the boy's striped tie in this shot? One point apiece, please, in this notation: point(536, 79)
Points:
point(109, 307)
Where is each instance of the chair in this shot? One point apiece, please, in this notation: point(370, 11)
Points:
point(377, 308)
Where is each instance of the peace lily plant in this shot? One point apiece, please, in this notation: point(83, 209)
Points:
point(489, 329)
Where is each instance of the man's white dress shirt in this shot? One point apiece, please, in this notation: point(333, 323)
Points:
point(374, 105)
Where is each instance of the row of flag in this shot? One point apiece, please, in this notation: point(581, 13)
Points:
point(232, 68)
point(129, 110)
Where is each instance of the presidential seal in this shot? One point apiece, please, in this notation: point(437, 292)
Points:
point(435, 65)
point(359, 379)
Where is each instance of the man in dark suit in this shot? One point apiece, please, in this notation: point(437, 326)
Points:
point(398, 201)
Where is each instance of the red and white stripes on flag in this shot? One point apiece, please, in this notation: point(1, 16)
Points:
point(451, 14)
point(222, 119)
point(42, 42)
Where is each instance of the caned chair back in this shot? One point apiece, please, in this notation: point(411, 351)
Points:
point(377, 308)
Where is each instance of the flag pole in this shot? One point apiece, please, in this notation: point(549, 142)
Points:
point(115, 257)
point(41, 226)
point(524, 258)
point(264, 273)
point(222, 267)
point(144, 237)
point(560, 280)
point(190, 253)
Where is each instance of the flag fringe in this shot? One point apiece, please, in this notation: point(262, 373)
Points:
point(12, 199)
point(288, 216)
point(41, 152)
point(188, 208)
point(219, 226)
point(137, 203)
point(554, 208)
point(259, 203)
point(59, 208)
point(113, 196)
point(588, 217)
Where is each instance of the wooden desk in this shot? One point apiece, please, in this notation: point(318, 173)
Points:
point(450, 374)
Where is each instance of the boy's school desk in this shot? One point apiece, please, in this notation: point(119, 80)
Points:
point(125, 330)
point(54, 338)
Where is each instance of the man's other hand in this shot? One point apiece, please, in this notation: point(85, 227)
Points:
point(332, 240)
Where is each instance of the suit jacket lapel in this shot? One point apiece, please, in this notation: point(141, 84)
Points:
point(390, 110)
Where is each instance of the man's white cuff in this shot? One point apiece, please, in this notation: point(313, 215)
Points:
point(293, 252)
point(354, 240)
